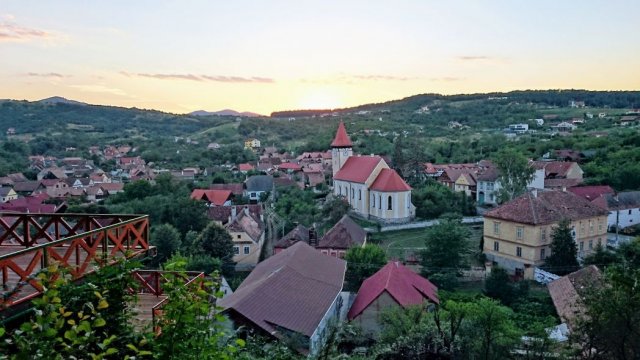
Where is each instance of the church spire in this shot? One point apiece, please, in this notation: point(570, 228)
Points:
point(342, 139)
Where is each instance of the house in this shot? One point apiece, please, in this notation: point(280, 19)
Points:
point(224, 214)
point(488, 185)
point(373, 190)
point(295, 294)
point(96, 193)
point(51, 173)
point(576, 104)
point(112, 188)
point(567, 292)
point(257, 185)
point(247, 233)
point(564, 127)
point(299, 233)
point(624, 208)
point(7, 194)
point(245, 168)
point(11, 131)
point(32, 204)
point(517, 235)
point(392, 286)
point(213, 197)
point(519, 128)
point(289, 167)
point(252, 144)
point(593, 192)
point(237, 189)
point(29, 188)
point(628, 120)
point(213, 146)
point(560, 174)
point(344, 235)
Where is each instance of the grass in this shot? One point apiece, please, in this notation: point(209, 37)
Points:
point(399, 244)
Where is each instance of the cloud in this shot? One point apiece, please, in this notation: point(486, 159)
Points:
point(192, 77)
point(100, 89)
point(355, 79)
point(382, 77)
point(12, 32)
point(473, 58)
point(447, 78)
point(47, 75)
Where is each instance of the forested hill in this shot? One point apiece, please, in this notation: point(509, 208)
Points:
point(46, 118)
point(599, 99)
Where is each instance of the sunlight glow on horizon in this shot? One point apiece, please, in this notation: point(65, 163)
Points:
point(173, 57)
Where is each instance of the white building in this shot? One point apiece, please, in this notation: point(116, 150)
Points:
point(519, 128)
point(489, 184)
point(624, 208)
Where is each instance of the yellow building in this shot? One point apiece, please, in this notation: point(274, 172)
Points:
point(247, 233)
point(517, 235)
point(252, 144)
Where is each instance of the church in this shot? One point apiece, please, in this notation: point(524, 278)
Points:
point(373, 190)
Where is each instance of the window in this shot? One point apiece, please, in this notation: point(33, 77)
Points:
point(581, 229)
point(353, 194)
point(496, 228)
point(630, 211)
point(236, 250)
point(599, 225)
point(519, 232)
point(581, 245)
point(518, 251)
point(496, 246)
point(373, 201)
point(519, 272)
point(253, 194)
point(599, 241)
point(481, 185)
point(389, 203)
point(590, 244)
point(590, 227)
point(379, 201)
point(246, 249)
point(543, 234)
point(359, 194)
point(239, 236)
point(542, 254)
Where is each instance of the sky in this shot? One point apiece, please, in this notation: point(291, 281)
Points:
point(263, 56)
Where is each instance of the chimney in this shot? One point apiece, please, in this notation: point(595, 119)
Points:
point(246, 210)
point(564, 189)
point(534, 192)
point(313, 236)
point(233, 213)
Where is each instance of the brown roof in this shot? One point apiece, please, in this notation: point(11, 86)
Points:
point(489, 174)
point(299, 233)
point(223, 213)
point(554, 169)
point(547, 207)
point(567, 291)
point(248, 223)
point(236, 188)
point(343, 235)
point(561, 183)
point(292, 289)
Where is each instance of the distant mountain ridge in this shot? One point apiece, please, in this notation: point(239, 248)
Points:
point(59, 100)
point(225, 112)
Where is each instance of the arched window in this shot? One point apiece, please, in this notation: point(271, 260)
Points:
point(389, 203)
point(353, 194)
point(379, 201)
point(373, 201)
point(359, 194)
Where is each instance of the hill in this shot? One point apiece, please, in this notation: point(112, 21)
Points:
point(225, 112)
point(59, 100)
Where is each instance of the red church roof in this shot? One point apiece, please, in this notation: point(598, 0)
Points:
point(389, 180)
point(357, 168)
point(216, 197)
point(341, 139)
point(403, 285)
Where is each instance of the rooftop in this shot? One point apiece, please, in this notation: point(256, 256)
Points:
point(357, 168)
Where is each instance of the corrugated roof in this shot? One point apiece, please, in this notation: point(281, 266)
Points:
point(357, 168)
point(343, 235)
point(405, 287)
point(547, 207)
point(341, 139)
point(389, 180)
point(293, 289)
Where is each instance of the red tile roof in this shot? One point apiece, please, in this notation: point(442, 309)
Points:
point(290, 166)
point(389, 180)
point(245, 167)
point(236, 188)
point(554, 169)
point(223, 213)
point(591, 192)
point(547, 207)
point(293, 289)
point(357, 168)
point(405, 287)
point(216, 197)
point(299, 233)
point(341, 139)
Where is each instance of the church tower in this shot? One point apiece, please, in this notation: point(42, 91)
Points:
point(341, 148)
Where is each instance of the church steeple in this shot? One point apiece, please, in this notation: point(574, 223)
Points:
point(340, 148)
point(342, 139)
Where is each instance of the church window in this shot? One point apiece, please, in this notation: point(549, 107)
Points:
point(359, 194)
point(373, 201)
point(389, 203)
point(353, 194)
point(379, 201)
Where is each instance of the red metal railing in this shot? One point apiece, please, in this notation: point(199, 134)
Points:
point(77, 242)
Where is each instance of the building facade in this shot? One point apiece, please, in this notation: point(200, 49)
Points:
point(517, 235)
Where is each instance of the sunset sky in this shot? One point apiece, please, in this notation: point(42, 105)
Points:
point(262, 56)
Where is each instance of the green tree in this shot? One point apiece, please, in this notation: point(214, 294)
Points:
point(216, 242)
point(363, 262)
point(166, 239)
point(494, 332)
point(515, 173)
point(499, 287)
point(564, 252)
point(446, 247)
point(602, 257)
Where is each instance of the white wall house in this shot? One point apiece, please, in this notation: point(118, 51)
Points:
point(489, 185)
point(624, 209)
